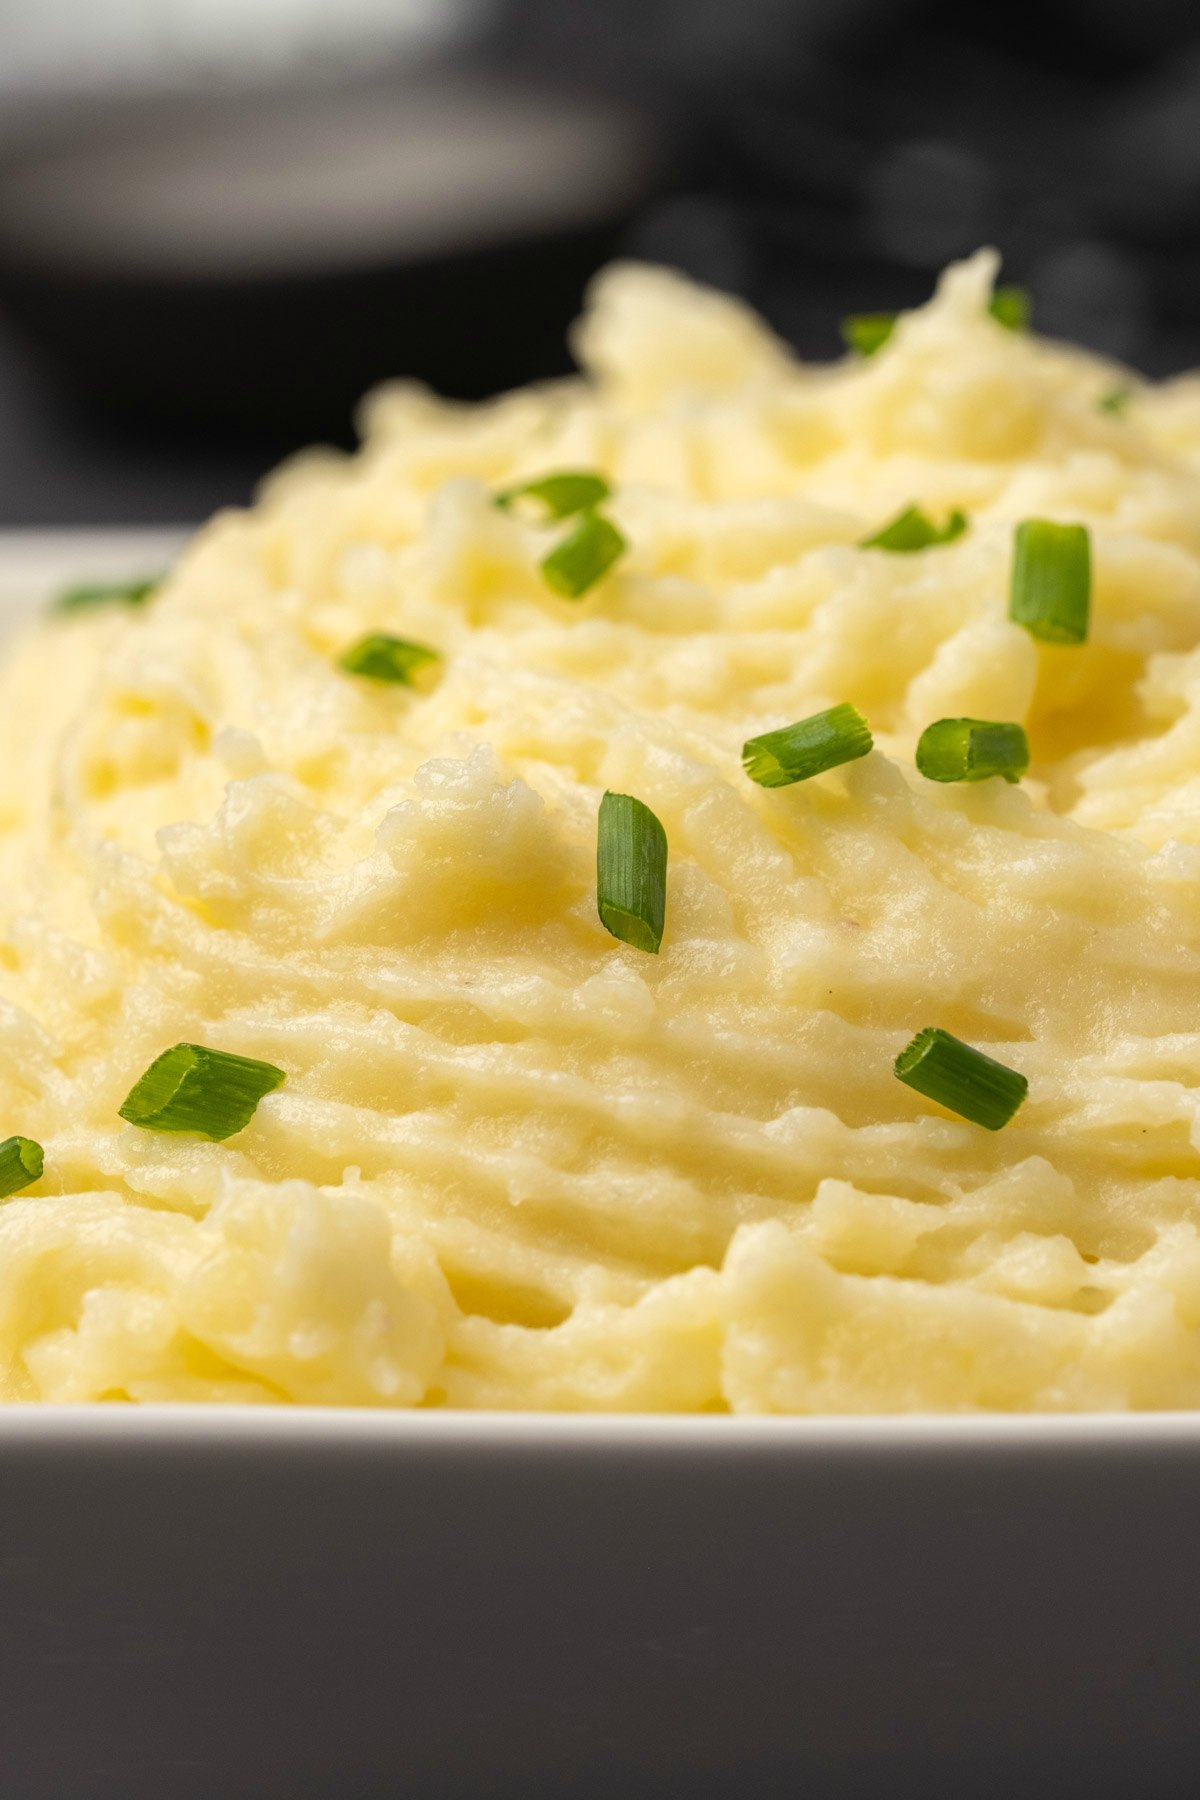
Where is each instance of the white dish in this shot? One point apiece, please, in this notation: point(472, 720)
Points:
point(207, 1604)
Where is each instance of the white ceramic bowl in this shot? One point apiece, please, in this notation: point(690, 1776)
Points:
point(207, 1604)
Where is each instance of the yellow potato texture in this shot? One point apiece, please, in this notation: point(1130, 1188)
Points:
point(515, 1162)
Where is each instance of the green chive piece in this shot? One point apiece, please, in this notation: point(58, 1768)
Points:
point(1012, 307)
point(964, 1080)
point(20, 1163)
point(1050, 589)
point(1115, 401)
point(865, 333)
point(971, 750)
point(106, 593)
point(631, 872)
point(571, 491)
point(192, 1088)
point(583, 557)
point(913, 530)
point(778, 758)
point(385, 658)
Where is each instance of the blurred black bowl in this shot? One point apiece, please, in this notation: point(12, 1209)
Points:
point(257, 263)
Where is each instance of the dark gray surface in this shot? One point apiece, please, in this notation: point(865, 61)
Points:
point(60, 466)
point(434, 1609)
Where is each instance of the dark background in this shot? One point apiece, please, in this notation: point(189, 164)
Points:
point(220, 221)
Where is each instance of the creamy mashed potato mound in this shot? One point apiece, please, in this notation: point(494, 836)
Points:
point(515, 1162)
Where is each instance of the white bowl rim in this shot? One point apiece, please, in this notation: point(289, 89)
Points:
point(566, 1434)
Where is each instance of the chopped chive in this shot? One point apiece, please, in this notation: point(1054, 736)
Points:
point(913, 530)
point(1115, 401)
point(583, 557)
point(105, 593)
point(964, 1080)
point(571, 491)
point(971, 750)
point(20, 1163)
point(865, 333)
point(631, 872)
point(1050, 588)
point(811, 746)
point(381, 657)
point(1012, 307)
point(191, 1088)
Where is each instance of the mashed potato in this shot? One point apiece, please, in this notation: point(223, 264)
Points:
point(515, 1162)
